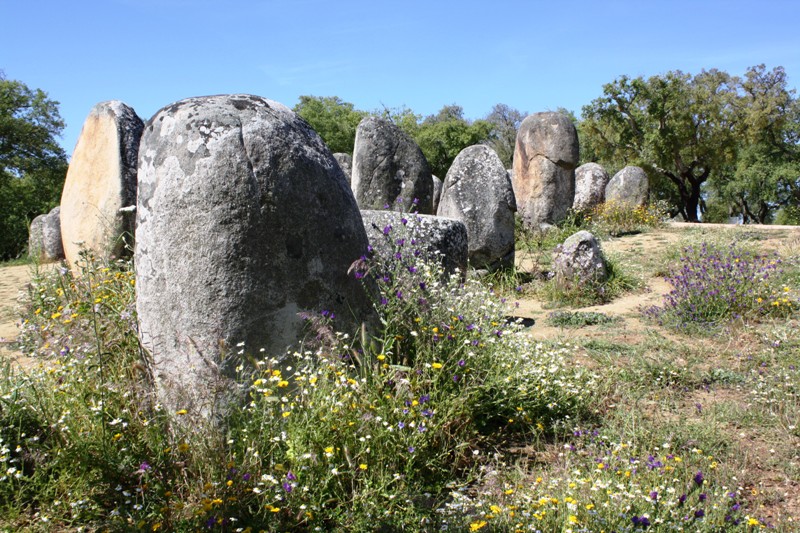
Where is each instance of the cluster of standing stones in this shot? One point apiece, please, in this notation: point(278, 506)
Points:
point(243, 220)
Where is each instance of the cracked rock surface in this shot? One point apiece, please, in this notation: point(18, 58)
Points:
point(389, 169)
point(244, 221)
point(477, 191)
point(545, 158)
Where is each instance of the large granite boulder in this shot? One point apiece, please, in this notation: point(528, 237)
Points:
point(389, 169)
point(477, 192)
point(101, 181)
point(629, 186)
point(545, 158)
point(44, 237)
point(580, 260)
point(244, 223)
point(346, 163)
point(439, 237)
point(590, 187)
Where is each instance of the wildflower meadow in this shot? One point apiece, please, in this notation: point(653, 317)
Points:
point(448, 415)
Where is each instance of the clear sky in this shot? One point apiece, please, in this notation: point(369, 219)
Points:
point(531, 55)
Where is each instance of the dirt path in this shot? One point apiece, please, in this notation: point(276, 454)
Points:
point(13, 284)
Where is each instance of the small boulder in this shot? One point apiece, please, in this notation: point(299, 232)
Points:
point(477, 192)
point(628, 186)
point(389, 169)
point(444, 237)
point(545, 158)
point(346, 163)
point(244, 222)
point(100, 181)
point(580, 260)
point(590, 187)
point(44, 240)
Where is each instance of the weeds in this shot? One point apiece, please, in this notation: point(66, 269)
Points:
point(714, 285)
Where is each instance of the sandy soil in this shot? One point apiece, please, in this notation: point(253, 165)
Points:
point(13, 285)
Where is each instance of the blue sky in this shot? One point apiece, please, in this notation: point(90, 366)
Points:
point(531, 55)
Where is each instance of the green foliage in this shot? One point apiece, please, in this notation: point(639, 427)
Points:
point(442, 136)
point(714, 285)
point(32, 164)
point(615, 219)
point(677, 126)
point(334, 119)
point(789, 215)
point(735, 137)
point(578, 319)
point(767, 172)
point(504, 122)
point(581, 293)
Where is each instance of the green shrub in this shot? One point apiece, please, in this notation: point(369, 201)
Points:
point(578, 319)
point(615, 219)
point(713, 285)
point(580, 293)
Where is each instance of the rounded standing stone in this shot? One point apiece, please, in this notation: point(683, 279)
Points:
point(44, 240)
point(629, 186)
point(389, 169)
point(545, 158)
point(477, 191)
point(590, 186)
point(244, 222)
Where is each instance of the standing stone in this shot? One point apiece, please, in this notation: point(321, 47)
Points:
point(437, 193)
point(346, 164)
point(445, 238)
point(100, 181)
point(545, 157)
point(590, 187)
point(628, 186)
point(389, 169)
point(477, 192)
point(580, 260)
point(244, 222)
point(44, 240)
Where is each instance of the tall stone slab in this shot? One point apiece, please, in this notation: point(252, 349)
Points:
point(590, 186)
point(100, 181)
point(244, 222)
point(545, 158)
point(629, 186)
point(389, 169)
point(477, 191)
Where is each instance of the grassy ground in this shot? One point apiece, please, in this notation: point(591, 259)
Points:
point(647, 426)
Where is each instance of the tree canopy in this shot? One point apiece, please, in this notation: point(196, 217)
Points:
point(733, 140)
point(334, 119)
point(32, 164)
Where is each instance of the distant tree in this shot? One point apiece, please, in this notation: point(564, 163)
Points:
point(402, 117)
point(334, 119)
point(679, 127)
point(443, 135)
point(504, 122)
point(766, 176)
point(32, 164)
